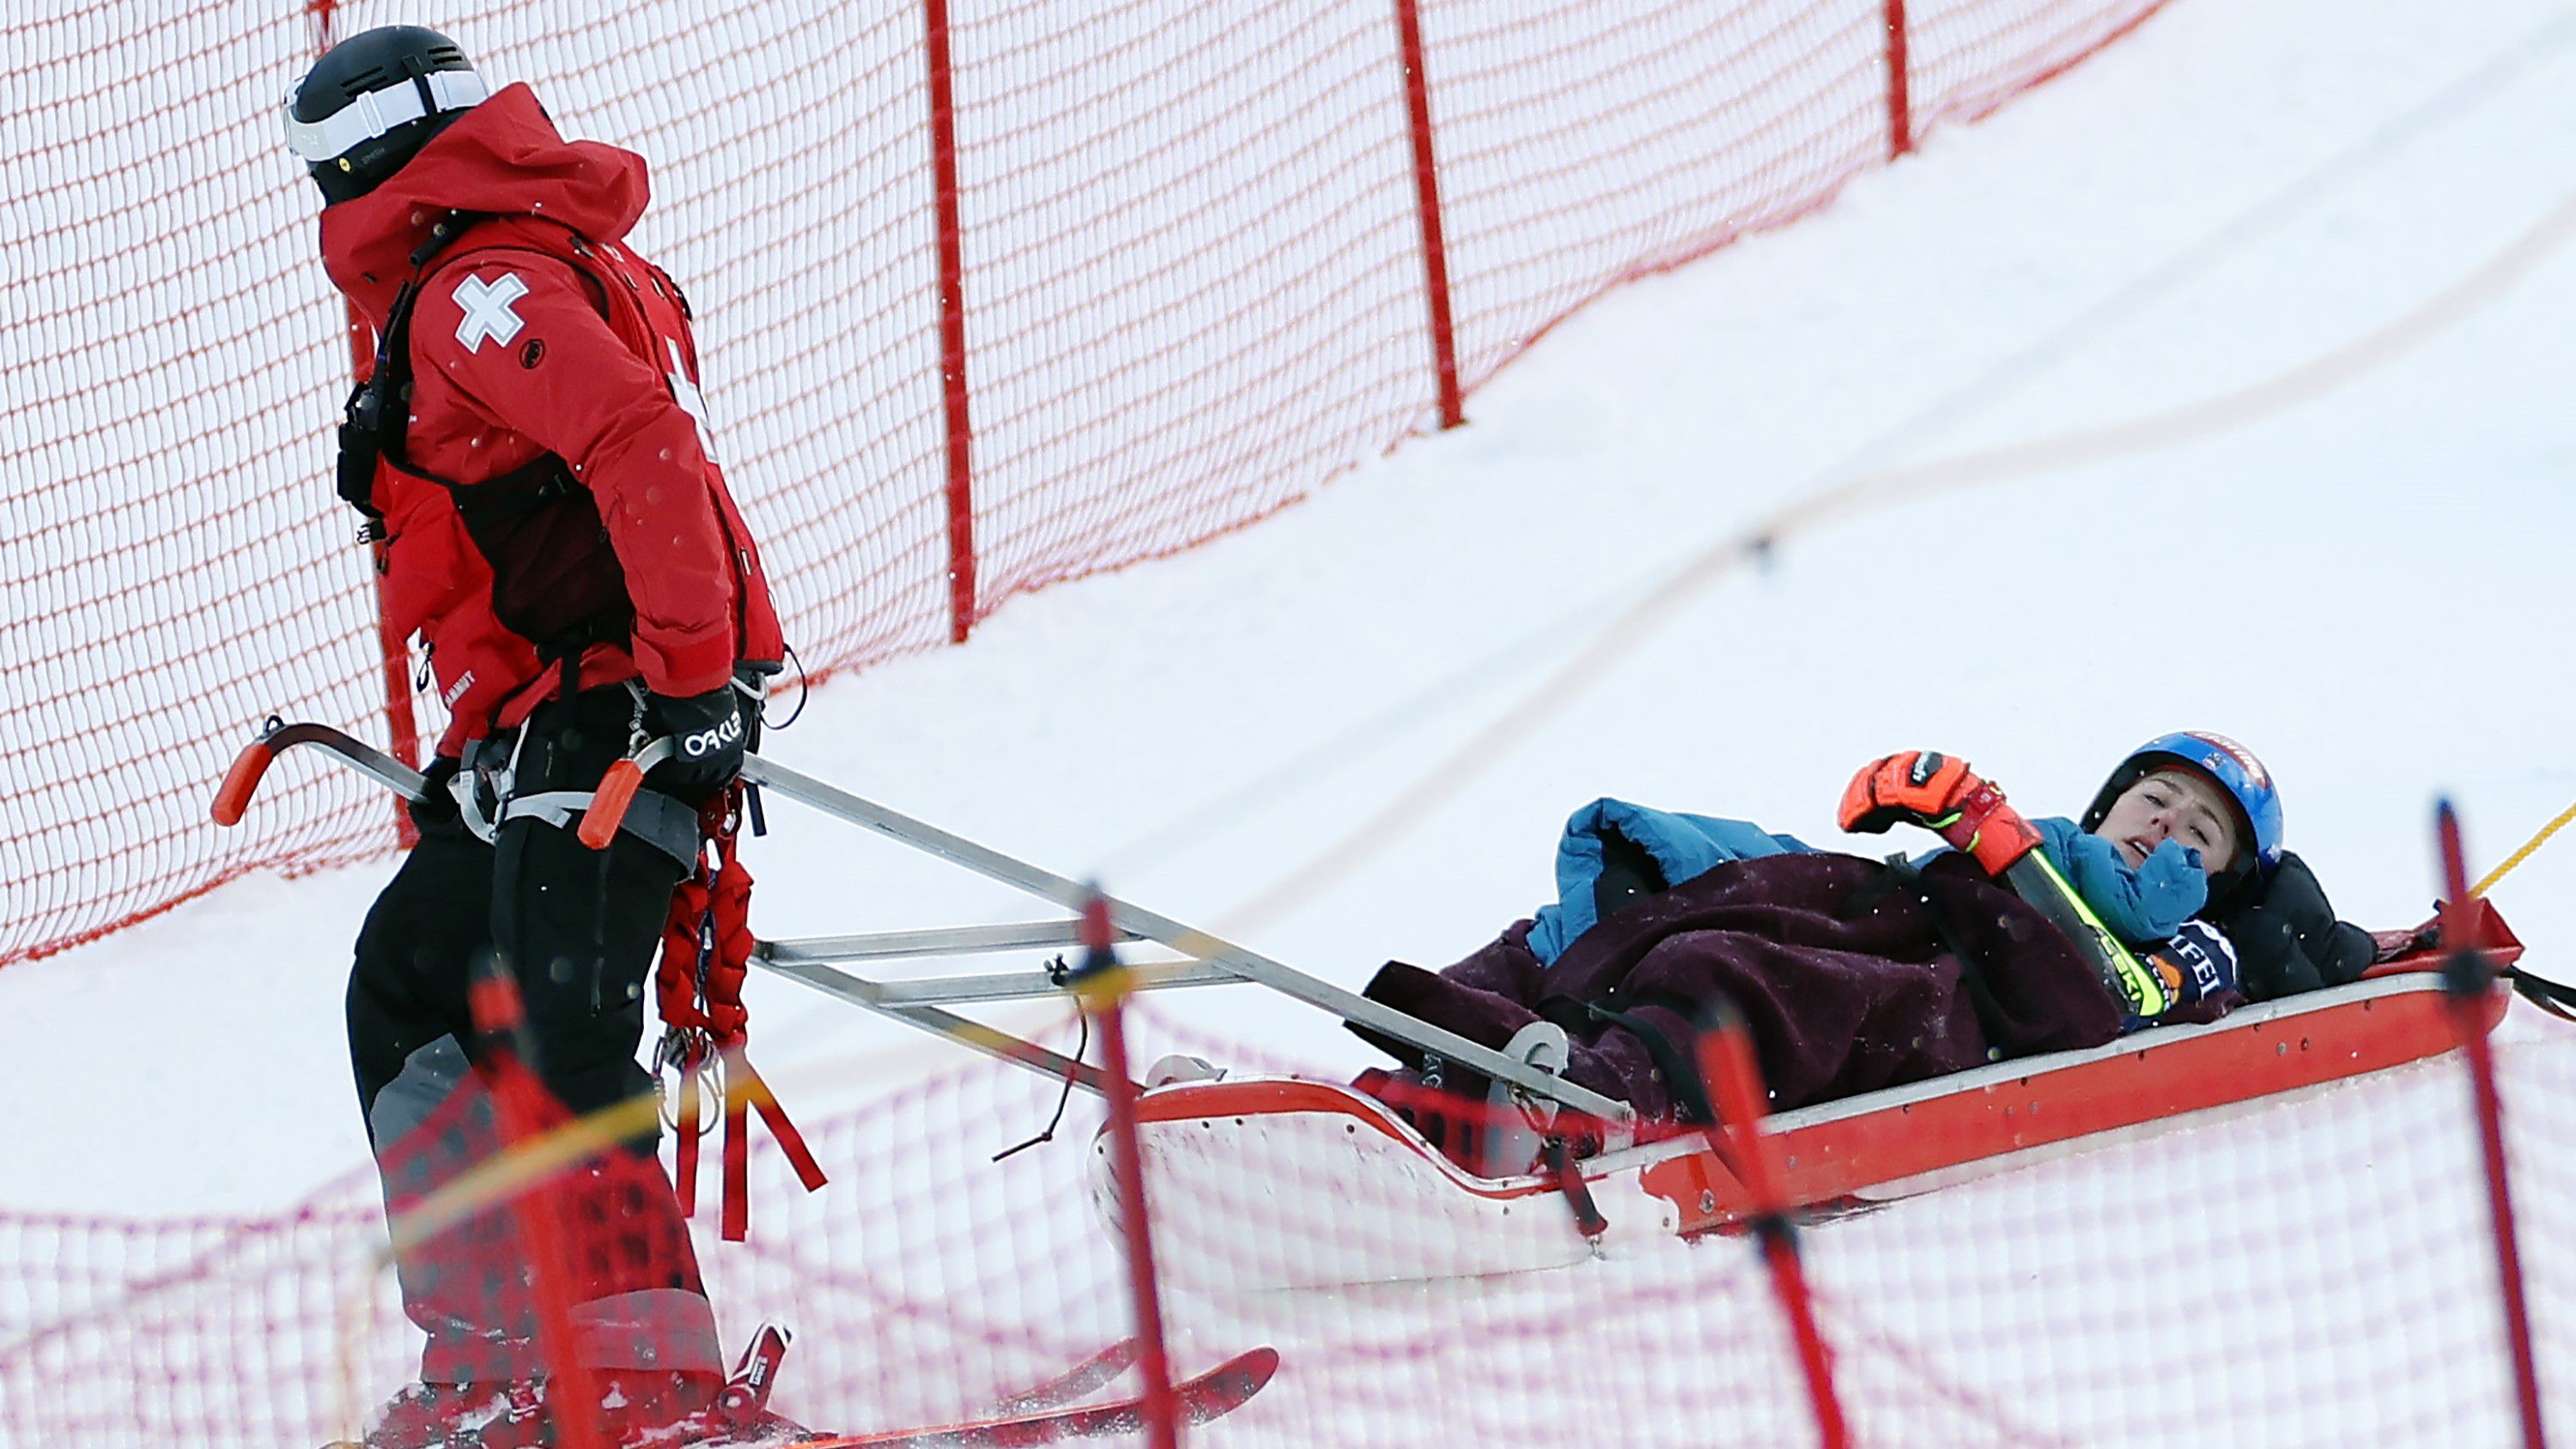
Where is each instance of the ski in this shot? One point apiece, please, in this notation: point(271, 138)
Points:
point(1083, 1378)
point(1203, 1396)
point(1037, 1414)
point(742, 1405)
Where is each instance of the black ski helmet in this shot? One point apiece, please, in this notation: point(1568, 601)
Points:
point(372, 101)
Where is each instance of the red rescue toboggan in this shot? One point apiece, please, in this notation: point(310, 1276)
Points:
point(1250, 1147)
point(1837, 1156)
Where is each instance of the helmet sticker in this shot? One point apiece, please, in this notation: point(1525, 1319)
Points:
point(2244, 757)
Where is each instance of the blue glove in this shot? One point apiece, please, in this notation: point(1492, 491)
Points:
point(2141, 905)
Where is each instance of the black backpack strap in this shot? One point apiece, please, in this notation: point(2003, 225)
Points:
point(372, 421)
point(1680, 1071)
point(372, 430)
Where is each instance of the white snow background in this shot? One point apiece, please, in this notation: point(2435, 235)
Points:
point(2367, 583)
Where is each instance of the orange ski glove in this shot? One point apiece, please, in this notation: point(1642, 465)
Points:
point(1942, 794)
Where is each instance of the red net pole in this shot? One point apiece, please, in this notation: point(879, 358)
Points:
point(517, 1115)
point(1735, 1084)
point(402, 729)
point(1900, 102)
point(1102, 985)
point(2467, 979)
point(952, 324)
point(1426, 185)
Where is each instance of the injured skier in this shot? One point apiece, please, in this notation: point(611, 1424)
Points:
point(2171, 900)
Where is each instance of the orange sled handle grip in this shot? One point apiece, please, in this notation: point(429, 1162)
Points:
point(607, 808)
point(608, 804)
point(232, 798)
point(242, 781)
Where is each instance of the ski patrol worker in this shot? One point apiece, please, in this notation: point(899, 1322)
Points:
point(532, 456)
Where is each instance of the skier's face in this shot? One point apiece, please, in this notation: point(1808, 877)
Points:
point(2171, 805)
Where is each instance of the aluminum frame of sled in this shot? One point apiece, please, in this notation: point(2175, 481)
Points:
point(1256, 1143)
point(1208, 960)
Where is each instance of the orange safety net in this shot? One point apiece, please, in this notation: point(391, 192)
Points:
point(1191, 286)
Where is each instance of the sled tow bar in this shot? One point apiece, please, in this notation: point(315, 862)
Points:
point(1213, 961)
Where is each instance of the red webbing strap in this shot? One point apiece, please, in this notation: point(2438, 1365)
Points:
point(688, 943)
point(737, 1159)
point(684, 1180)
point(706, 953)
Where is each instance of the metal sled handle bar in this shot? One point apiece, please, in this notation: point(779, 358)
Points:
point(1249, 965)
point(251, 766)
point(253, 762)
point(885, 1000)
point(232, 799)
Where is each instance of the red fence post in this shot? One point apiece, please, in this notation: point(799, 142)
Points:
point(517, 1106)
point(952, 326)
point(2466, 979)
point(1426, 186)
point(1900, 104)
point(1734, 1081)
point(1101, 986)
point(402, 728)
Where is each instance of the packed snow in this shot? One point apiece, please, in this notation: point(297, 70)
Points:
point(2248, 339)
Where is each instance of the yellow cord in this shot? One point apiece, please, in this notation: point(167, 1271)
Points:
point(2528, 846)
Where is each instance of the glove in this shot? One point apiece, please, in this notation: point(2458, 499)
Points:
point(437, 808)
point(708, 738)
point(1918, 785)
point(2195, 963)
point(1926, 788)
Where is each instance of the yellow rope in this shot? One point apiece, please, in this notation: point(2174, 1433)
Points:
point(2528, 846)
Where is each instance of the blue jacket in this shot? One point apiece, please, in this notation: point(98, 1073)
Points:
point(2143, 905)
point(1684, 846)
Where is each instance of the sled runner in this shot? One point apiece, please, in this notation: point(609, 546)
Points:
point(1235, 1151)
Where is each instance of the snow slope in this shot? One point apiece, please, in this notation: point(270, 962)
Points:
point(2322, 268)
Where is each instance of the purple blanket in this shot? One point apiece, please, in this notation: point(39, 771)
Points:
point(1848, 985)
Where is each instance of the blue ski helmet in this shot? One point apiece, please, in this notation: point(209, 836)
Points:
point(2224, 763)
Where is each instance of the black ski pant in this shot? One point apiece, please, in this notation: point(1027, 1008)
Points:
point(577, 930)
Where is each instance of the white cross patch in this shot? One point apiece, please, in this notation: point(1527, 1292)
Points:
point(692, 401)
point(487, 310)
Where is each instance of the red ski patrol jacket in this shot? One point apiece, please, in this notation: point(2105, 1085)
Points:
point(535, 336)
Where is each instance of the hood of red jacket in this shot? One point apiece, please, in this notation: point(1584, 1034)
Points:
point(503, 158)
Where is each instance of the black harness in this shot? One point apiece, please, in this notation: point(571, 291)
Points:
point(537, 526)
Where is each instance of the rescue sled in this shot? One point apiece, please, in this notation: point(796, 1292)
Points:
point(1430, 1217)
point(1259, 1180)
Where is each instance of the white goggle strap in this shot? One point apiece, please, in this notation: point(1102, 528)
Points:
point(370, 115)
